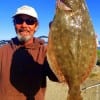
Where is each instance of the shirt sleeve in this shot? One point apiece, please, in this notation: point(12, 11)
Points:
point(48, 72)
point(0, 60)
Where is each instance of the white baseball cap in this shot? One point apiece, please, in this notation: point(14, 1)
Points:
point(27, 10)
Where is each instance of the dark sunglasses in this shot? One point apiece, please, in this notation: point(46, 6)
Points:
point(30, 21)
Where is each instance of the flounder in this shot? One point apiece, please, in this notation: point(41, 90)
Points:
point(72, 45)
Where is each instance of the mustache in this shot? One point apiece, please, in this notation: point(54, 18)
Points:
point(21, 30)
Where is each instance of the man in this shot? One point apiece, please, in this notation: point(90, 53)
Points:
point(23, 64)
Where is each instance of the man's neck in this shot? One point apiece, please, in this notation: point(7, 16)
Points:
point(28, 42)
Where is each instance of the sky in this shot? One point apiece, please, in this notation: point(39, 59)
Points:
point(45, 10)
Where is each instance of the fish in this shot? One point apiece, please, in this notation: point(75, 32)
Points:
point(72, 49)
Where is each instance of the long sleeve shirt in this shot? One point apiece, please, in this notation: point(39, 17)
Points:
point(23, 71)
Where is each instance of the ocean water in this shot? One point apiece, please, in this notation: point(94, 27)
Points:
point(98, 48)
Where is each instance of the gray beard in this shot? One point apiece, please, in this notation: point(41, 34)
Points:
point(24, 39)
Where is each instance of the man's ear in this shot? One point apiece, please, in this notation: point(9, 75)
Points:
point(36, 27)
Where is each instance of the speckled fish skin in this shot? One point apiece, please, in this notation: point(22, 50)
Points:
point(72, 45)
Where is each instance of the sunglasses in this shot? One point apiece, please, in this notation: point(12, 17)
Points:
point(30, 21)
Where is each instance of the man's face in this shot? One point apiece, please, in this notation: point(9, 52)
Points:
point(25, 27)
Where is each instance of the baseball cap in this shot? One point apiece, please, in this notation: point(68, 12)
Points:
point(27, 10)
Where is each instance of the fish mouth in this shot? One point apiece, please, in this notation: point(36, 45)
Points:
point(60, 4)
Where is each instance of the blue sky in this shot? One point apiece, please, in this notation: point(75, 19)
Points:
point(45, 9)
